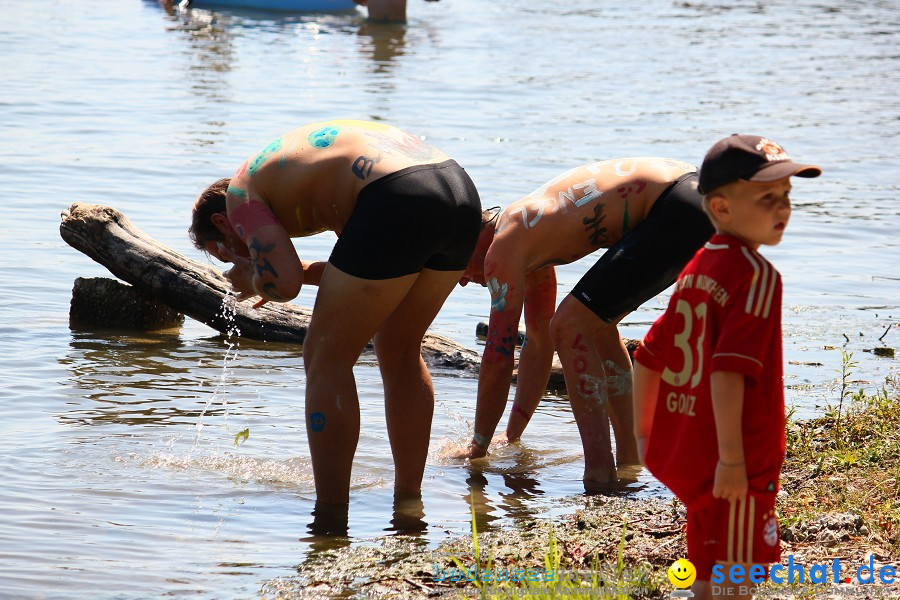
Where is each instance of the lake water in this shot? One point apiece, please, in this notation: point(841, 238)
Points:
point(114, 486)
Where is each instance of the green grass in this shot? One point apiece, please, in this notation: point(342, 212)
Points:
point(848, 459)
point(557, 577)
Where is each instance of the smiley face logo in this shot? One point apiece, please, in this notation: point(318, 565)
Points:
point(682, 573)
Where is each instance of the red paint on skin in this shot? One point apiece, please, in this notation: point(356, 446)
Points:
point(581, 388)
point(578, 345)
point(242, 169)
point(637, 187)
point(580, 364)
point(490, 267)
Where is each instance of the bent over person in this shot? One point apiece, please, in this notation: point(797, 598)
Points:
point(407, 217)
point(647, 212)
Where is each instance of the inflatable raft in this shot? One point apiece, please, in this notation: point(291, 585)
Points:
point(298, 5)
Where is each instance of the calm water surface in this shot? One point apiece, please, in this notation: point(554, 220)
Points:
point(120, 474)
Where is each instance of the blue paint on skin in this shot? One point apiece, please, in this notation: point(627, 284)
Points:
point(322, 138)
point(263, 156)
point(317, 421)
point(498, 294)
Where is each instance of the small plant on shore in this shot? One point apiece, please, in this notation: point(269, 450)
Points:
point(557, 581)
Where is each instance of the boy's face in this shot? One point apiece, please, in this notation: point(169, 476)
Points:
point(756, 212)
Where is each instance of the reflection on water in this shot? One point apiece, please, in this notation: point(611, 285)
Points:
point(382, 43)
point(128, 380)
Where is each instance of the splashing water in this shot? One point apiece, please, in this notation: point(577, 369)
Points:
point(232, 334)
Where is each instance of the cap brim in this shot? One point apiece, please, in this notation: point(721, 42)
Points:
point(779, 170)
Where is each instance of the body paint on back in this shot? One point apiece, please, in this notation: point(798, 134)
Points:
point(524, 210)
point(590, 193)
point(622, 172)
point(598, 236)
point(236, 191)
point(324, 137)
point(362, 166)
point(263, 156)
point(409, 146)
point(625, 192)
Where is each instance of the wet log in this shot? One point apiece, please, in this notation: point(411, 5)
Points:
point(200, 291)
point(109, 303)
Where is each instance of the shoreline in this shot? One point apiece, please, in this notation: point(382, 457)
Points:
point(839, 500)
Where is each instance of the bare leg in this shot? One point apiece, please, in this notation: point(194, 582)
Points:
point(575, 330)
point(617, 366)
point(386, 10)
point(348, 312)
point(408, 390)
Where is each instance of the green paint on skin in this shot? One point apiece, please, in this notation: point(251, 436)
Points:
point(233, 191)
point(263, 156)
point(324, 137)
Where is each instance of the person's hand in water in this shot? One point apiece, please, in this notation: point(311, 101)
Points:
point(240, 276)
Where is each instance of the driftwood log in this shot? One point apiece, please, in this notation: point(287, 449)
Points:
point(199, 291)
point(108, 303)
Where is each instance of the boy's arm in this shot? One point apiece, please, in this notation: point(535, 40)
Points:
point(727, 389)
point(645, 393)
point(536, 357)
point(505, 279)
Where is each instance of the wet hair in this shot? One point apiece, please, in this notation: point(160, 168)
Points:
point(210, 202)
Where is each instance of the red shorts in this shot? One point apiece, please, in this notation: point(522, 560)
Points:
point(745, 531)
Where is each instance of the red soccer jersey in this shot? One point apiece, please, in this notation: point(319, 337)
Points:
point(725, 315)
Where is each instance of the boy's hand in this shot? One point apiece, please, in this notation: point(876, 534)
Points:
point(731, 481)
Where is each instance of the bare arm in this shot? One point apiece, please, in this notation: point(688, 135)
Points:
point(536, 357)
point(645, 395)
point(312, 271)
point(273, 271)
point(506, 282)
point(728, 405)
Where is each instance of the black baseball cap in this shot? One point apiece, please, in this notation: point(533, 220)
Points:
point(749, 157)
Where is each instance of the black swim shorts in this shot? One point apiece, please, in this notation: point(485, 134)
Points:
point(421, 217)
point(648, 259)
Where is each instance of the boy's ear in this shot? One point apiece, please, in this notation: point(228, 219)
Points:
point(719, 207)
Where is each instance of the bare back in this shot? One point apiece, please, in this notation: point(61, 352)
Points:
point(312, 176)
point(589, 207)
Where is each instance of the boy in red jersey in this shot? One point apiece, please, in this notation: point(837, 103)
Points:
point(708, 389)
